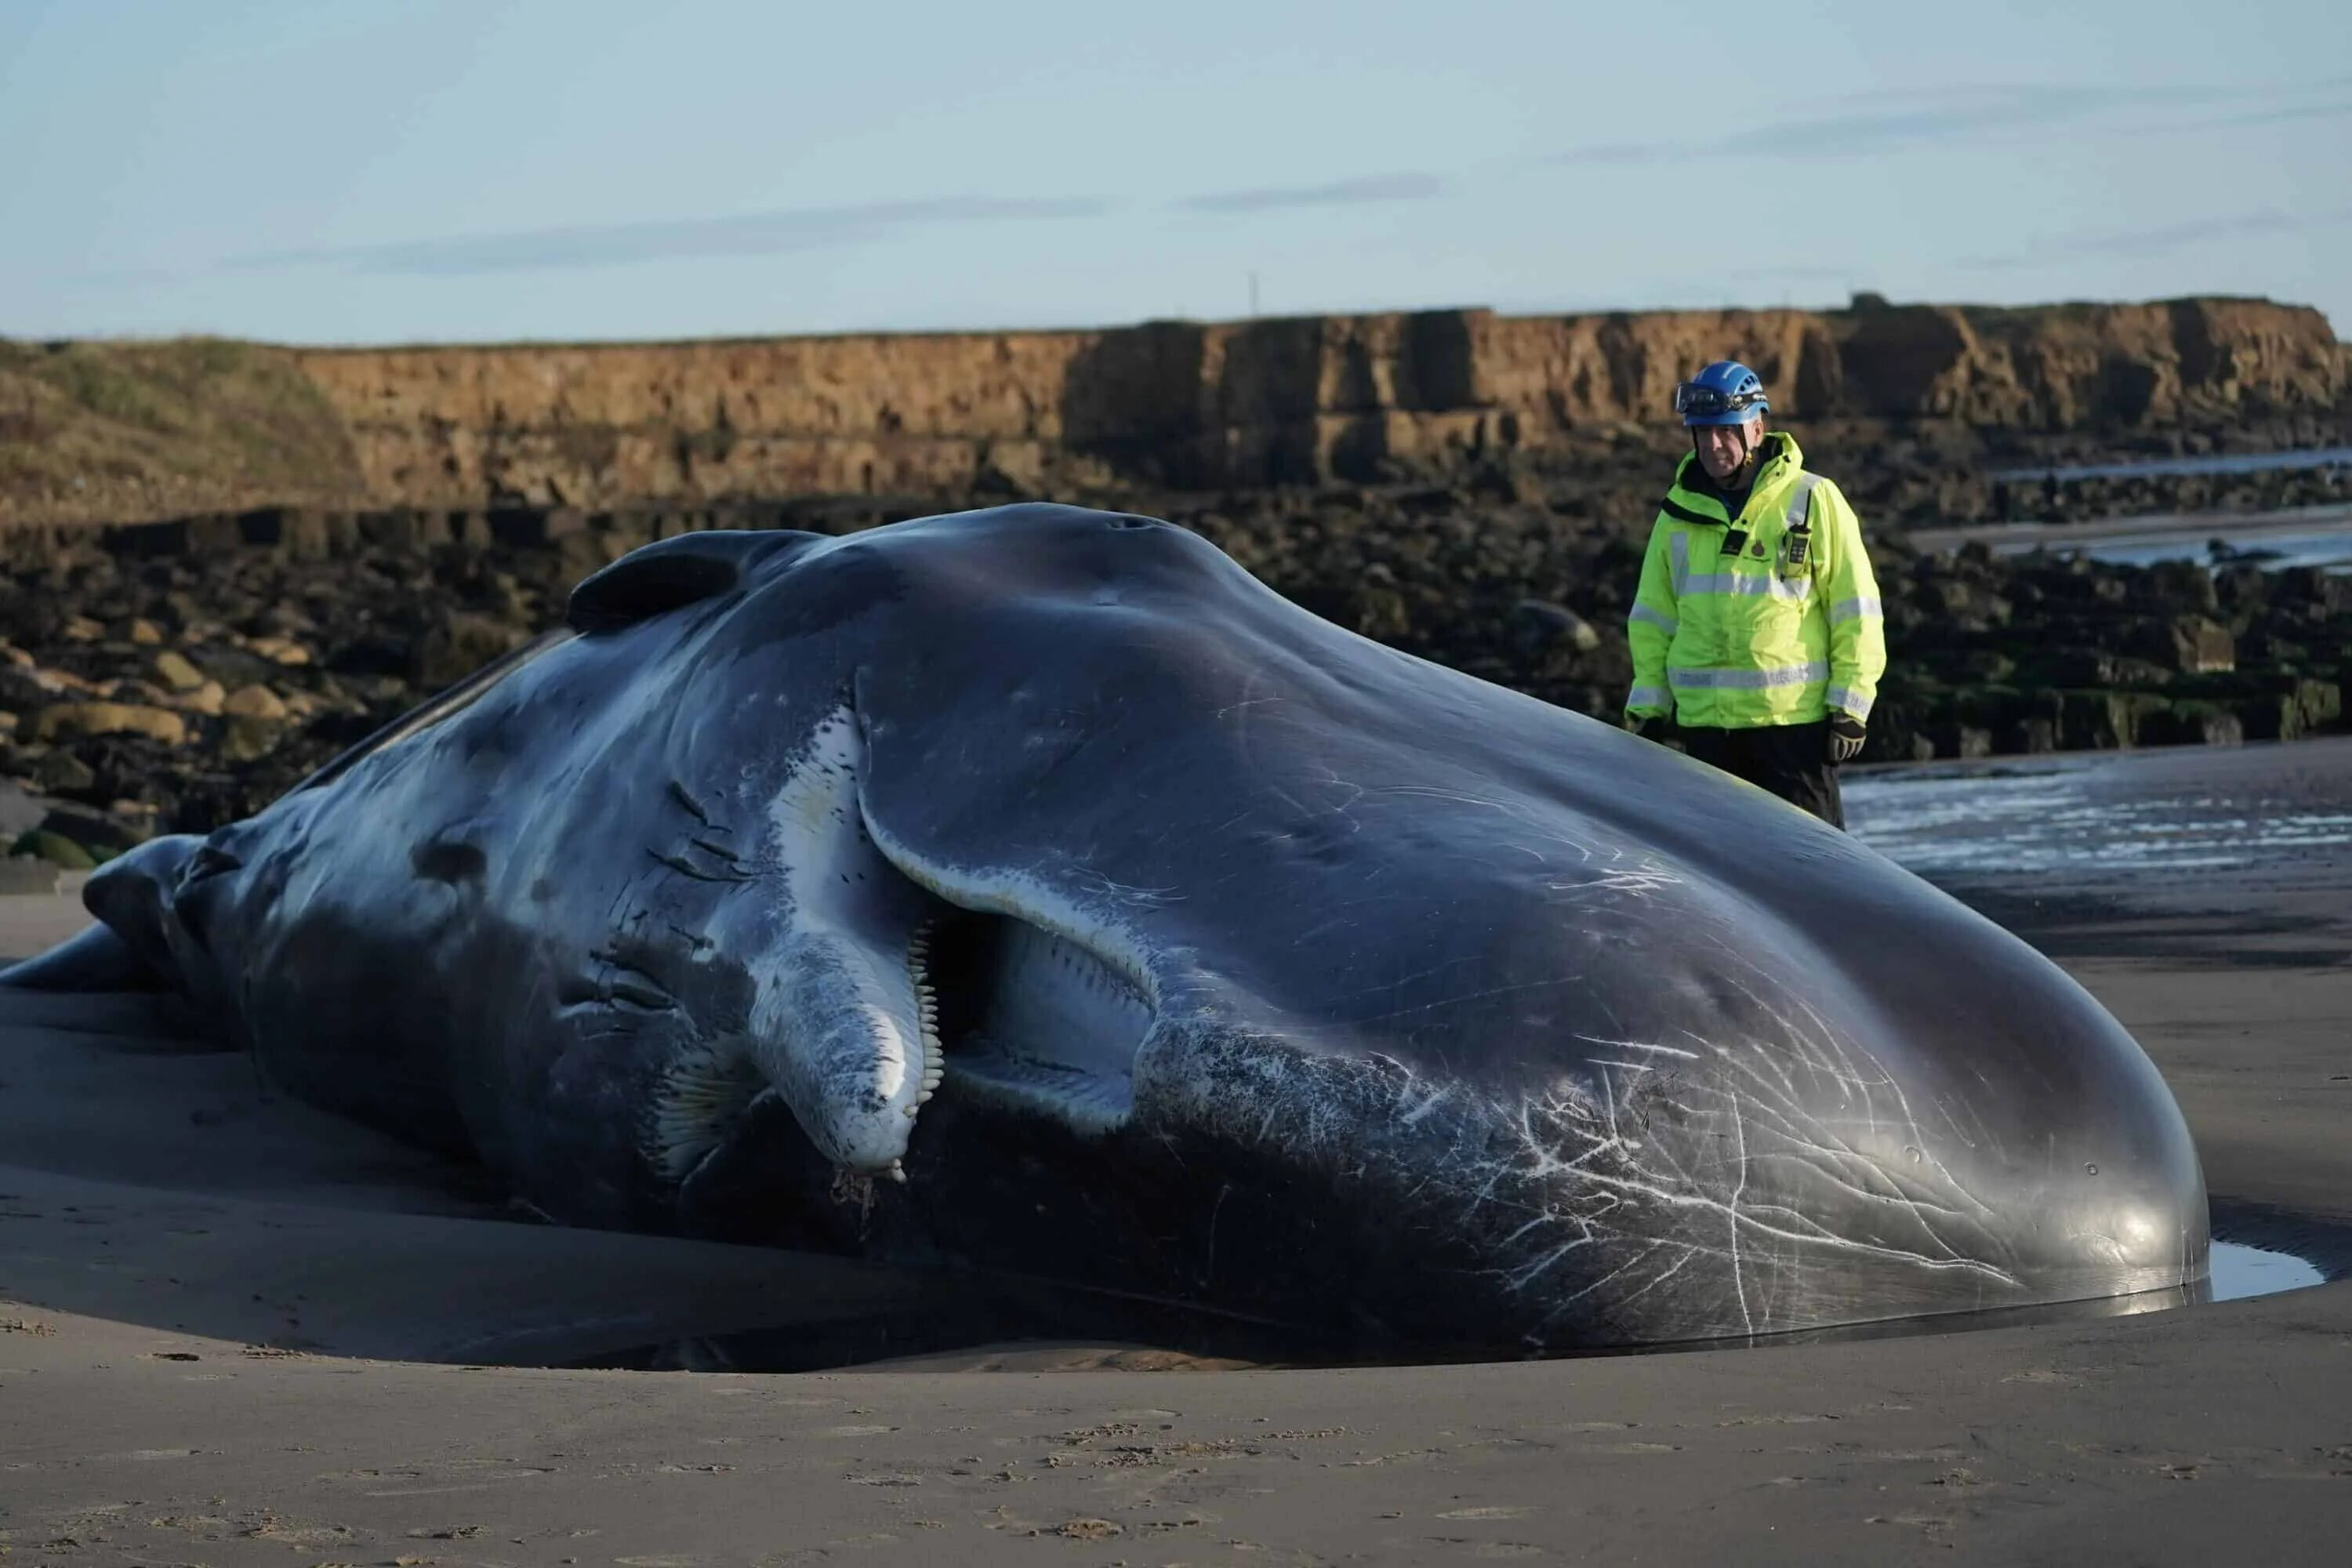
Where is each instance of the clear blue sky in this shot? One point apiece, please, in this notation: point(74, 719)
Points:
point(334, 171)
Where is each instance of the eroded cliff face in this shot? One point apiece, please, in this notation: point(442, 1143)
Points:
point(1192, 404)
point(1272, 401)
point(2050, 368)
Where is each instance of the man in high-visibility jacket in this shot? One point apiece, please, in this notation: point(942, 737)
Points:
point(1757, 626)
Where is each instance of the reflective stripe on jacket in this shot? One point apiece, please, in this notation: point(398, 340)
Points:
point(1740, 641)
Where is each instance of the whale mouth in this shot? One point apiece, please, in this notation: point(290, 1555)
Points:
point(1026, 1016)
point(984, 1003)
point(889, 972)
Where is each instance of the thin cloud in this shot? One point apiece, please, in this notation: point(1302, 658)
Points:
point(2268, 116)
point(2163, 240)
point(1995, 98)
point(1338, 193)
point(1878, 121)
point(1874, 130)
point(619, 244)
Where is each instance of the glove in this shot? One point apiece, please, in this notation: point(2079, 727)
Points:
point(1847, 735)
point(1650, 727)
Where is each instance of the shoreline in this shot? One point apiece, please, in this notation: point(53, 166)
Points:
point(2009, 538)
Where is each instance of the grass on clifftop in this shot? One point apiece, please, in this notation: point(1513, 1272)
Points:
point(119, 431)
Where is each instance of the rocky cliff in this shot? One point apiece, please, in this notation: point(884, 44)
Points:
point(85, 434)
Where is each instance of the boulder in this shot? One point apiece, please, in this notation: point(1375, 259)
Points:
point(2106, 720)
point(2082, 666)
point(1538, 624)
point(1961, 741)
point(255, 702)
point(59, 771)
point(2192, 643)
point(175, 673)
point(95, 831)
point(137, 692)
point(2192, 722)
point(280, 650)
point(26, 688)
point(1379, 612)
point(246, 738)
point(59, 852)
point(206, 698)
point(2320, 703)
point(2032, 737)
point(67, 720)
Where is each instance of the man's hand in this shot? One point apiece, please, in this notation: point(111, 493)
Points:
point(1649, 726)
point(1847, 735)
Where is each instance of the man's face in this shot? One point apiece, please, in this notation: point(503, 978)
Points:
point(1722, 449)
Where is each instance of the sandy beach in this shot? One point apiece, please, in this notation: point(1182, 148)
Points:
point(232, 1331)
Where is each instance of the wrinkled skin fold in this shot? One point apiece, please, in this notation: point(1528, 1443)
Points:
point(1033, 887)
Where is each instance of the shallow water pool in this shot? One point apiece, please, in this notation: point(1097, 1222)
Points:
point(2240, 1271)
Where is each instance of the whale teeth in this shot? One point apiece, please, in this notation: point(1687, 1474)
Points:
point(927, 1020)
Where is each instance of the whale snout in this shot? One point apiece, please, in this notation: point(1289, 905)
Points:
point(1784, 1170)
point(2144, 1238)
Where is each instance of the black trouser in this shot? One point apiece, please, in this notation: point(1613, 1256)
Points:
point(1792, 761)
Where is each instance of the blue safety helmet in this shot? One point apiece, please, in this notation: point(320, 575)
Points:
point(1725, 393)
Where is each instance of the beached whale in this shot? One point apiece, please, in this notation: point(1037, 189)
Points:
point(1034, 888)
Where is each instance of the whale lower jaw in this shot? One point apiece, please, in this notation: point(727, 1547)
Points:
point(1087, 1103)
point(1027, 1016)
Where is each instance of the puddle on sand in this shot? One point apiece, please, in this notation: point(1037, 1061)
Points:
point(2241, 1271)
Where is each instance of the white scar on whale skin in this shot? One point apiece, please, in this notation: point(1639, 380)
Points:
point(839, 1023)
point(1648, 1175)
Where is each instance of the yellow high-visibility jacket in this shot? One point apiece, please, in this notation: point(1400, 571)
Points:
point(1738, 642)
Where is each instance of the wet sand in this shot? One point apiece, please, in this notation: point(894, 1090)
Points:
point(227, 1331)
